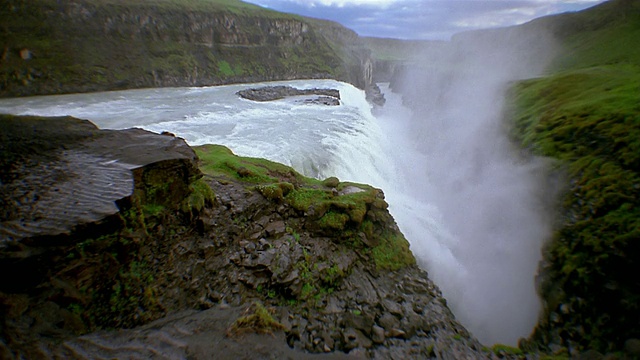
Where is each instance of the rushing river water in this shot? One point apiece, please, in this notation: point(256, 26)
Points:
point(346, 141)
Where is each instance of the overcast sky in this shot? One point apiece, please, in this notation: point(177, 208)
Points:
point(424, 19)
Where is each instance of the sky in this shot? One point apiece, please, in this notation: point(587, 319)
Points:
point(424, 19)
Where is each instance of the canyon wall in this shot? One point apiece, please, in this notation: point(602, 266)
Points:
point(50, 47)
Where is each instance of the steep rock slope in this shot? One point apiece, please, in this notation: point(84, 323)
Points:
point(51, 47)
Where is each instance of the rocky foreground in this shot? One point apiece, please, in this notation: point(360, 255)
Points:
point(128, 245)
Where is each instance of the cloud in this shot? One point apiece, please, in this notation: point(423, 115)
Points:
point(344, 3)
point(424, 19)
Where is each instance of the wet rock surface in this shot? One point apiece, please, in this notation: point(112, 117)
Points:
point(329, 97)
point(375, 95)
point(60, 173)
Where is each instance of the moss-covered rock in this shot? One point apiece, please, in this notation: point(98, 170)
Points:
point(346, 212)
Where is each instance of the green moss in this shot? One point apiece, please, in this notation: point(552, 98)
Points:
point(303, 199)
point(272, 192)
point(331, 182)
point(125, 299)
point(217, 160)
point(201, 195)
point(343, 217)
point(152, 209)
point(332, 275)
point(308, 290)
point(132, 299)
point(225, 68)
point(275, 192)
point(333, 220)
point(392, 252)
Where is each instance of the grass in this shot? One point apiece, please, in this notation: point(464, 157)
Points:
point(218, 160)
point(392, 253)
point(601, 36)
point(256, 318)
point(586, 114)
point(201, 196)
point(589, 119)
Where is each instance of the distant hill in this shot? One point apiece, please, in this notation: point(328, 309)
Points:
point(586, 114)
point(49, 46)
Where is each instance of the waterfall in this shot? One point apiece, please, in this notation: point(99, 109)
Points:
point(488, 198)
point(465, 205)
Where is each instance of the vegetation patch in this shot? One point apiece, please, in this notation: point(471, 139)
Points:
point(256, 318)
point(333, 220)
point(201, 195)
point(392, 252)
point(218, 160)
point(503, 350)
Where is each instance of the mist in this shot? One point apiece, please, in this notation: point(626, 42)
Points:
point(479, 211)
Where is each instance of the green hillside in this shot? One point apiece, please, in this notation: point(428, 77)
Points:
point(49, 46)
point(586, 114)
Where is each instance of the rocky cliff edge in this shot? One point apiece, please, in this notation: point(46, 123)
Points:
point(128, 244)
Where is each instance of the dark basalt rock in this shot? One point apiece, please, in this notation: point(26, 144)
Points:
point(375, 95)
point(74, 215)
point(270, 93)
point(323, 100)
point(61, 173)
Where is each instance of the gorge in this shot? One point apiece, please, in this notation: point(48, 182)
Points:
point(515, 138)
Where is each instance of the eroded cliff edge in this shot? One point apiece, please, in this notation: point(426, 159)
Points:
point(324, 259)
point(52, 47)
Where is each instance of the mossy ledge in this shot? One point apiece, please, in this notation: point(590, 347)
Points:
point(117, 229)
point(348, 213)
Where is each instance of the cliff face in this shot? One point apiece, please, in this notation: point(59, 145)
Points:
point(76, 46)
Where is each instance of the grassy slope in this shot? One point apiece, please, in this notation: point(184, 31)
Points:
point(120, 45)
point(586, 113)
